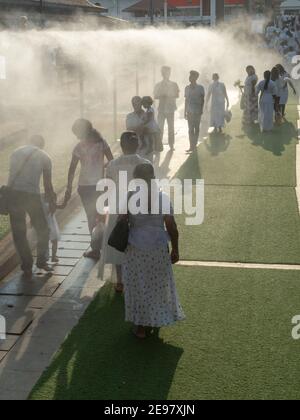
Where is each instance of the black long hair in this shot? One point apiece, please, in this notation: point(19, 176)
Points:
point(84, 130)
point(267, 76)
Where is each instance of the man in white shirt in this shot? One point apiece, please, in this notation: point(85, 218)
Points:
point(27, 166)
point(167, 92)
point(194, 104)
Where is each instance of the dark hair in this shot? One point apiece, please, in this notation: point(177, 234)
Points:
point(275, 74)
point(250, 68)
point(84, 130)
point(280, 68)
point(267, 76)
point(129, 142)
point(135, 98)
point(147, 101)
point(194, 73)
point(144, 171)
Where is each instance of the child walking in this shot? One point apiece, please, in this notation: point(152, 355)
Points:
point(152, 131)
point(53, 230)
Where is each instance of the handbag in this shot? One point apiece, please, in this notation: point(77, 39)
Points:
point(119, 237)
point(5, 190)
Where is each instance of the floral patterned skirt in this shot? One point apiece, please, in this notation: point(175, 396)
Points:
point(150, 293)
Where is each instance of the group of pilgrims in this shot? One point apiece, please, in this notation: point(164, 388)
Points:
point(266, 101)
point(144, 270)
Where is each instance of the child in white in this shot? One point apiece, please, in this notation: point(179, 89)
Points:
point(53, 230)
point(152, 131)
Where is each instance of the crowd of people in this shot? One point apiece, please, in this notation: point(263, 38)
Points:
point(144, 271)
point(283, 36)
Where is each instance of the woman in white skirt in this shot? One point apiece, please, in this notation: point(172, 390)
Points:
point(268, 92)
point(217, 92)
point(150, 293)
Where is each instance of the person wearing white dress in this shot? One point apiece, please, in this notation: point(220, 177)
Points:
point(151, 299)
point(217, 93)
point(285, 82)
point(267, 91)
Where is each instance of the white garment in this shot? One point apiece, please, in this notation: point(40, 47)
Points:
point(284, 89)
point(31, 172)
point(52, 223)
point(125, 163)
point(91, 156)
point(266, 105)
point(217, 92)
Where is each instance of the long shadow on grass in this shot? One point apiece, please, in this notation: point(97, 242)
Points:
point(101, 359)
point(274, 142)
point(217, 143)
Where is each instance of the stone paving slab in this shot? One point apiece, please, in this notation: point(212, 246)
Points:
point(8, 344)
point(17, 381)
point(2, 355)
point(66, 262)
point(76, 238)
point(59, 270)
point(37, 286)
point(66, 253)
point(18, 318)
point(83, 246)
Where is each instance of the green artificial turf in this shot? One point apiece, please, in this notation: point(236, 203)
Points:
point(244, 224)
point(235, 344)
point(240, 157)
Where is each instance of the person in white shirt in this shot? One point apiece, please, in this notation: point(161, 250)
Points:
point(90, 152)
point(127, 162)
point(166, 92)
point(28, 165)
point(194, 104)
point(267, 91)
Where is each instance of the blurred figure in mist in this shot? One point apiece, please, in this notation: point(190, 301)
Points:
point(267, 91)
point(23, 23)
point(217, 93)
point(135, 120)
point(152, 136)
point(90, 152)
point(285, 82)
point(194, 104)
point(250, 115)
point(28, 164)
point(166, 92)
point(276, 79)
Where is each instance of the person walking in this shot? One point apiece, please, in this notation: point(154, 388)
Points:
point(267, 91)
point(135, 120)
point(217, 93)
point(166, 92)
point(28, 165)
point(250, 115)
point(90, 152)
point(151, 299)
point(194, 104)
point(285, 83)
point(123, 164)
